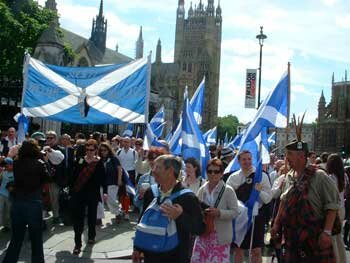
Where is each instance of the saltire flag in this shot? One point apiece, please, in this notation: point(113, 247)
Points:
point(157, 123)
point(273, 111)
point(130, 187)
point(243, 222)
point(175, 141)
point(129, 130)
point(260, 142)
point(234, 144)
point(197, 102)
point(159, 130)
point(193, 144)
point(87, 95)
point(210, 136)
point(22, 129)
point(151, 139)
point(272, 139)
point(225, 139)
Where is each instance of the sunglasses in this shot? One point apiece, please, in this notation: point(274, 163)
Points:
point(213, 171)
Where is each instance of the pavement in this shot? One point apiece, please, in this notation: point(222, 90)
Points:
point(113, 243)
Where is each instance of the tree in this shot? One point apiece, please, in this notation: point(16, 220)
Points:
point(21, 24)
point(227, 124)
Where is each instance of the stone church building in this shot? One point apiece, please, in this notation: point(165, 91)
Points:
point(333, 124)
point(197, 54)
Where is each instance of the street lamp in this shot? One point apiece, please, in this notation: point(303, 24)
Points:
point(261, 38)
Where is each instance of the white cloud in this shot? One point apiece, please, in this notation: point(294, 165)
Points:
point(329, 2)
point(343, 21)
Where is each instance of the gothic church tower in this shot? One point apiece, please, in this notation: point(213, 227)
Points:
point(99, 30)
point(197, 54)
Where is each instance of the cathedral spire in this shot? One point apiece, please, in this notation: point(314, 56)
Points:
point(139, 45)
point(159, 52)
point(346, 75)
point(210, 8)
point(100, 13)
point(333, 78)
point(99, 30)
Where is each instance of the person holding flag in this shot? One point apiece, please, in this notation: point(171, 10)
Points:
point(246, 184)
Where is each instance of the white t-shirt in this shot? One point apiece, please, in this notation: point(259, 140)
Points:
point(127, 158)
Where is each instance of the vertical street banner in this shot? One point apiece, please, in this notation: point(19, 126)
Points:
point(250, 91)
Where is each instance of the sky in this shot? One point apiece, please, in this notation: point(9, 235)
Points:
point(313, 35)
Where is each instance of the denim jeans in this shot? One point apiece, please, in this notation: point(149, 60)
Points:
point(26, 213)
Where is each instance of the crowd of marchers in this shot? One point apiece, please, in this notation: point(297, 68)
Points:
point(302, 201)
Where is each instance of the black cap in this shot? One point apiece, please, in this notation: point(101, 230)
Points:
point(296, 145)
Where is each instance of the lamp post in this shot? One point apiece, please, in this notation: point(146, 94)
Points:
point(261, 38)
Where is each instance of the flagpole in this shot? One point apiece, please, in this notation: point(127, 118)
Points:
point(288, 103)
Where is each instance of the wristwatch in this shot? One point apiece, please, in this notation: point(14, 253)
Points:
point(327, 232)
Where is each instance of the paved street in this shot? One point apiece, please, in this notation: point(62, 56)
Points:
point(114, 244)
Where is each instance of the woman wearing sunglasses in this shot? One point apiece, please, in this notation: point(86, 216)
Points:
point(220, 206)
point(89, 177)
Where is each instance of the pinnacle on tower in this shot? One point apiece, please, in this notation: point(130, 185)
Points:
point(333, 78)
point(51, 4)
point(159, 52)
point(139, 45)
point(190, 10)
point(218, 10)
point(210, 8)
point(100, 13)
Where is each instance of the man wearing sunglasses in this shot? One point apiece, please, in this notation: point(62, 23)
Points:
point(242, 182)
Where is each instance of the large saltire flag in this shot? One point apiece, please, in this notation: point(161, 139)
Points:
point(193, 144)
point(87, 95)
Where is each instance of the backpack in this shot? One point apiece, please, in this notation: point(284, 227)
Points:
point(155, 232)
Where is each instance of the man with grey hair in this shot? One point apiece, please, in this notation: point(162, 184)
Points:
point(9, 141)
point(185, 210)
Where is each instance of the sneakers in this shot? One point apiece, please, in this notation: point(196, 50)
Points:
point(76, 250)
point(58, 221)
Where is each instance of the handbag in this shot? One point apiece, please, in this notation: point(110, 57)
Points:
point(208, 219)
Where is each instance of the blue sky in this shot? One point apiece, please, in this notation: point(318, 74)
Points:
point(314, 35)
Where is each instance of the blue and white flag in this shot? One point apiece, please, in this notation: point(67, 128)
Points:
point(242, 223)
point(23, 124)
point(159, 130)
point(129, 130)
point(210, 136)
point(253, 147)
point(273, 111)
point(87, 95)
point(151, 139)
point(197, 102)
point(234, 144)
point(175, 141)
point(193, 144)
point(225, 140)
point(157, 123)
point(130, 187)
point(272, 139)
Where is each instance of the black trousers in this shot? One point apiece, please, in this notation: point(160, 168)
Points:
point(80, 204)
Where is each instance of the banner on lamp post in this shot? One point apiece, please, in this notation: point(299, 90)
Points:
point(250, 91)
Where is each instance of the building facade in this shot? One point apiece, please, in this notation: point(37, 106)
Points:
point(333, 123)
point(282, 137)
point(197, 55)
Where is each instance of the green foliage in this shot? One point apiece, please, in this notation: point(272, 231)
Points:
point(227, 124)
point(21, 24)
point(69, 54)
